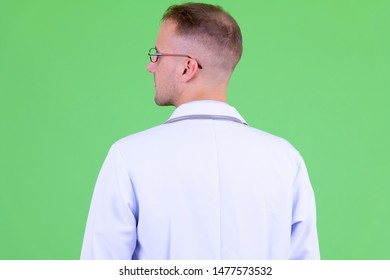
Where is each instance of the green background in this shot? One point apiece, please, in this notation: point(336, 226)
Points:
point(73, 80)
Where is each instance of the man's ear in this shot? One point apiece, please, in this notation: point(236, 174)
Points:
point(190, 69)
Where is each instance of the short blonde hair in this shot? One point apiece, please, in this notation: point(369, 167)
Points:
point(211, 27)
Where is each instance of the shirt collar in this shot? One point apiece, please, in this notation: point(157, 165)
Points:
point(206, 107)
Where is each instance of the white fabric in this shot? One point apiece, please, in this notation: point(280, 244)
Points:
point(202, 189)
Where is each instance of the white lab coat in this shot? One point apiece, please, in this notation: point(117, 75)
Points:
point(202, 189)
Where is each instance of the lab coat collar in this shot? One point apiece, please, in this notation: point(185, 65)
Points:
point(206, 107)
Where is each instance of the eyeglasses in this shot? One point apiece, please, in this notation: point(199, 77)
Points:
point(154, 55)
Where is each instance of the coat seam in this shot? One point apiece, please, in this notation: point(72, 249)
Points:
point(219, 185)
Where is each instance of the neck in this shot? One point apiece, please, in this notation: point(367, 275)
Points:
point(211, 95)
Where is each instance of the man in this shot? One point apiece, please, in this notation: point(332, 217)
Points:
point(204, 185)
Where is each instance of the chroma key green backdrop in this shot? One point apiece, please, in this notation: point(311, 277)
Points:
point(73, 80)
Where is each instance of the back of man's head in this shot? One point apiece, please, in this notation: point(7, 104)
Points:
point(212, 29)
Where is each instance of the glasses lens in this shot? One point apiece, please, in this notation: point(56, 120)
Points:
point(152, 55)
